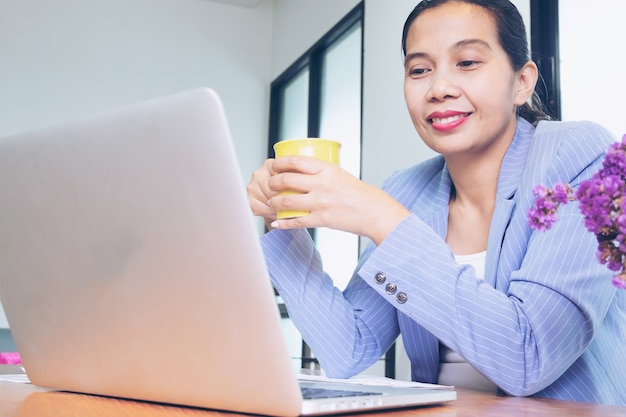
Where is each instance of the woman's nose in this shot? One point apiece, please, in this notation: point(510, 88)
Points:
point(442, 88)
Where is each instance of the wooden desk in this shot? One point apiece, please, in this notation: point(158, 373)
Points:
point(25, 400)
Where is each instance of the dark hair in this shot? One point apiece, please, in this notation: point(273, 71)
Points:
point(511, 35)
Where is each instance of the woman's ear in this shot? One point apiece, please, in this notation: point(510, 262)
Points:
point(526, 80)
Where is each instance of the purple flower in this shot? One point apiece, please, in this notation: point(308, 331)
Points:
point(543, 214)
point(619, 281)
point(562, 193)
point(620, 217)
point(615, 160)
point(540, 191)
point(540, 219)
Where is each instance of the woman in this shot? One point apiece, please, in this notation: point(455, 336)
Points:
point(452, 260)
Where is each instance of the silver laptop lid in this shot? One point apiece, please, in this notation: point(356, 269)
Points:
point(130, 266)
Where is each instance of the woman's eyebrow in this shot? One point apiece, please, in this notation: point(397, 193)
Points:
point(471, 42)
point(459, 45)
point(414, 55)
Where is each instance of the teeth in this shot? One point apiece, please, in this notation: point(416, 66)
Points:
point(446, 120)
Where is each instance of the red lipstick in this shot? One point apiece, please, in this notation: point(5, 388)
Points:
point(447, 120)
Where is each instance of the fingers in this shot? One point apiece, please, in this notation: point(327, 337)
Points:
point(294, 223)
point(298, 173)
point(300, 164)
point(259, 192)
point(262, 177)
point(262, 209)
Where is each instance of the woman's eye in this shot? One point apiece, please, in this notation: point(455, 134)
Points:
point(468, 63)
point(417, 71)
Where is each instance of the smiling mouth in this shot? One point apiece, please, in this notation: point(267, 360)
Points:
point(448, 120)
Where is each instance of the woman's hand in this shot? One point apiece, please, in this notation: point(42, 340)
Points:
point(333, 197)
point(259, 193)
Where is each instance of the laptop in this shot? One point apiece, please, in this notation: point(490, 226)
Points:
point(130, 266)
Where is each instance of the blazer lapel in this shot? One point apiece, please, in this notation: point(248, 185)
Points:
point(510, 177)
point(433, 208)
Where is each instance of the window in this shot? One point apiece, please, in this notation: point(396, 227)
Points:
point(576, 46)
point(592, 62)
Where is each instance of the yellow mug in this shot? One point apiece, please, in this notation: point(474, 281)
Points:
point(324, 149)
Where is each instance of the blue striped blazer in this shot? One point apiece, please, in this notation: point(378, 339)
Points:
point(545, 321)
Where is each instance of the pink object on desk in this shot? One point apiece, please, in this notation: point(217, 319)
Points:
point(10, 358)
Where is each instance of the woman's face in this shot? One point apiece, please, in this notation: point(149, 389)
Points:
point(460, 88)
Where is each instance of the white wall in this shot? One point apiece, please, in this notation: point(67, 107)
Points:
point(64, 59)
point(593, 86)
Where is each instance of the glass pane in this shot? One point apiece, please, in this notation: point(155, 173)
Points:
point(295, 108)
point(593, 85)
point(341, 98)
point(341, 120)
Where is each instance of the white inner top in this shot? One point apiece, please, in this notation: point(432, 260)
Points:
point(477, 260)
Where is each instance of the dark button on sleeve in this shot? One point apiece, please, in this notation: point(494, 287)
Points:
point(391, 288)
point(380, 278)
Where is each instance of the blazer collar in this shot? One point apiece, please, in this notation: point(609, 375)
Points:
point(514, 161)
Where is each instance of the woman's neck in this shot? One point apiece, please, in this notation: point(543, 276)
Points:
point(472, 202)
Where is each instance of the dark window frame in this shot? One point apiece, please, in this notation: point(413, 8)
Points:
point(544, 40)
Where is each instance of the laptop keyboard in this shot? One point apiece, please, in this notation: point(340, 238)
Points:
point(309, 393)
